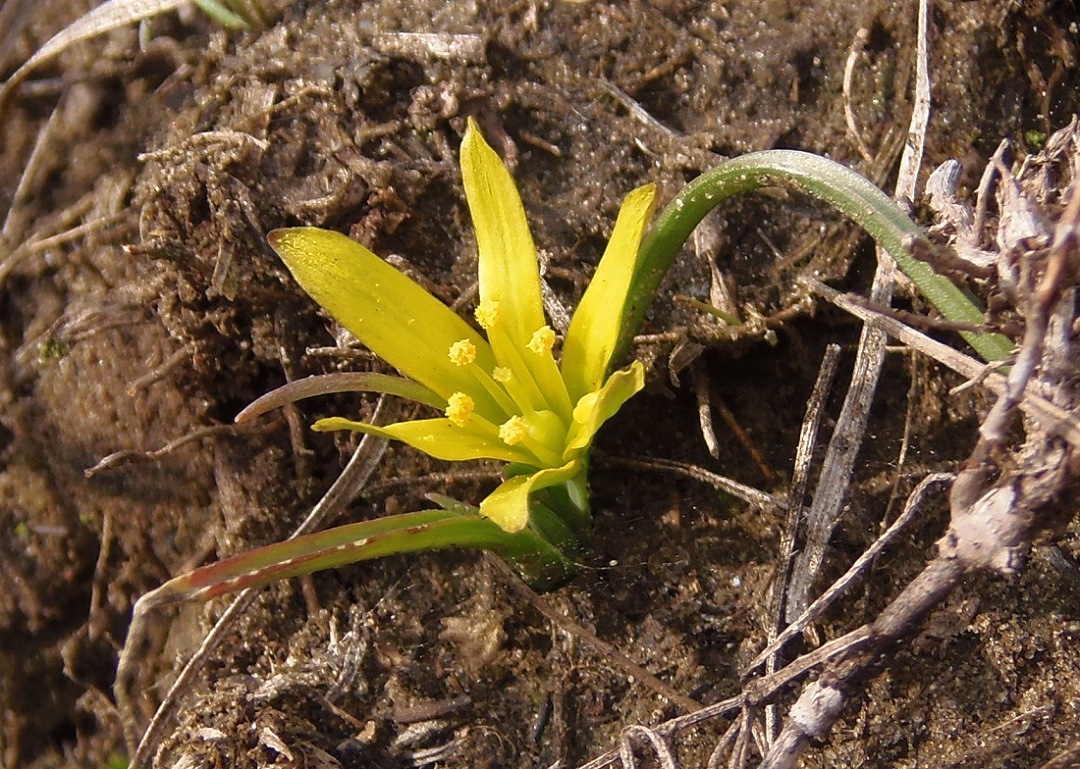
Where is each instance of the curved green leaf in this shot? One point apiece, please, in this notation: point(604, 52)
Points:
point(827, 180)
point(406, 533)
point(340, 382)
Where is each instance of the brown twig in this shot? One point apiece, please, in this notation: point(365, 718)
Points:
point(606, 650)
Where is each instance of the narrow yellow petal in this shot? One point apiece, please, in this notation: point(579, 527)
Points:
point(595, 408)
point(508, 505)
point(509, 274)
point(597, 322)
point(438, 438)
point(397, 319)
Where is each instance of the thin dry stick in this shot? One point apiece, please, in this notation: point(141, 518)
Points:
point(1051, 417)
point(905, 439)
point(517, 584)
point(857, 46)
point(843, 448)
point(818, 607)
point(699, 380)
point(359, 469)
point(800, 480)
point(77, 231)
point(131, 455)
point(31, 170)
point(723, 745)
point(664, 755)
point(721, 483)
point(741, 750)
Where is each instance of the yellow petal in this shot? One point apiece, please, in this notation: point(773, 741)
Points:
point(438, 438)
point(508, 270)
point(595, 408)
point(595, 328)
point(397, 319)
point(508, 505)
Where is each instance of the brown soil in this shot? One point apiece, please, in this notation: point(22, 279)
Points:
point(139, 302)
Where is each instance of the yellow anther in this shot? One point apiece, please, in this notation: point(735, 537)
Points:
point(542, 340)
point(501, 374)
point(462, 352)
point(487, 313)
point(459, 407)
point(513, 431)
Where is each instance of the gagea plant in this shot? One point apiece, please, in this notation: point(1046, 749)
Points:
point(498, 388)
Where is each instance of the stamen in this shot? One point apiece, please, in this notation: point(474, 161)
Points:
point(542, 340)
point(462, 352)
point(487, 314)
point(501, 374)
point(459, 408)
point(513, 431)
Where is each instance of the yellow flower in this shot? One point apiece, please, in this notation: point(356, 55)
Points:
point(503, 394)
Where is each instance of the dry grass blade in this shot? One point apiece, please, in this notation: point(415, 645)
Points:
point(800, 481)
point(105, 18)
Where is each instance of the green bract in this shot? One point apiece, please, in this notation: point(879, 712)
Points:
point(502, 393)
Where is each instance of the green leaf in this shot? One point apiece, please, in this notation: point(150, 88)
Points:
point(407, 533)
point(827, 180)
point(340, 382)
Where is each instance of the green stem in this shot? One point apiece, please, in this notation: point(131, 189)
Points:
point(840, 187)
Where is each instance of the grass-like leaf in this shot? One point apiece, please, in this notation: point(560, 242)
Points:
point(827, 180)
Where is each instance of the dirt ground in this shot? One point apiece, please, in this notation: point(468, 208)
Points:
point(140, 303)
